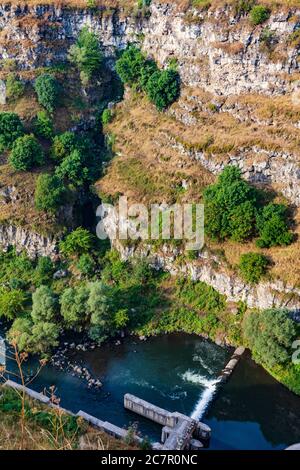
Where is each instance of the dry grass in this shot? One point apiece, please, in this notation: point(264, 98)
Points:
point(148, 170)
point(38, 437)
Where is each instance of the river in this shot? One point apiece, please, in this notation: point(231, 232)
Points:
point(178, 372)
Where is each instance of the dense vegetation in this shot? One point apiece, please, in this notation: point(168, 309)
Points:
point(161, 86)
point(234, 209)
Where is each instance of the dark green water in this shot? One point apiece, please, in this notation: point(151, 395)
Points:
point(178, 372)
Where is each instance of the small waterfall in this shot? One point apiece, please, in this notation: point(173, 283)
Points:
point(210, 387)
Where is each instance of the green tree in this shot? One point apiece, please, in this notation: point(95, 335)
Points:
point(270, 334)
point(86, 55)
point(259, 14)
point(43, 125)
point(44, 337)
point(15, 88)
point(47, 90)
point(106, 117)
point(163, 88)
point(44, 305)
point(77, 243)
point(73, 305)
point(242, 222)
point(100, 308)
point(20, 333)
point(272, 226)
point(11, 128)
point(121, 319)
point(26, 153)
point(12, 302)
point(49, 193)
point(253, 266)
point(63, 145)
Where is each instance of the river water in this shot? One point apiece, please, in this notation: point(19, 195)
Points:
point(178, 372)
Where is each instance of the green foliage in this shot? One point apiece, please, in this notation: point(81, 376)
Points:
point(47, 90)
point(163, 88)
point(44, 305)
point(63, 145)
point(272, 226)
point(73, 305)
point(86, 264)
point(44, 337)
point(43, 125)
point(100, 307)
point(200, 296)
point(15, 88)
point(44, 270)
point(86, 55)
point(270, 334)
point(106, 117)
point(91, 4)
point(259, 14)
point(49, 193)
point(130, 65)
point(253, 266)
point(242, 7)
point(12, 303)
point(73, 168)
point(26, 153)
point(230, 206)
point(77, 243)
point(10, 129)
point(20, 333)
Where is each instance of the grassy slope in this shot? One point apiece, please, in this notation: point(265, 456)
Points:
point(148, 170)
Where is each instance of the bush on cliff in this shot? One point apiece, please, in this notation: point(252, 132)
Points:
point(272, 226)
point(259, 14)
point(78, 242)
point(47, 90)
point(49, 193)
point(26, 153)
point(11, 128)
point(63, 145)
point(86, 55)
point(163, 88)
point(253, 266)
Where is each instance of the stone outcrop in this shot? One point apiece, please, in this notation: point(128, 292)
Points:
point(32, 243)
point(209, 269)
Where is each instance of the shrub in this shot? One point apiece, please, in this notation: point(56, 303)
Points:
point(259, 14)
point(49, 193)
point(230, 206)
point(106, 117)
point(47, 91)
point(44, 337)
point(44, 270)
point(86, 54)
point(78, 242)
point(10, 129)
point(129, 66)
point(26, 153)
point(100, 308)
point(163, 88)
point(43, 125)
point(63, 145)
point(44, 305)
point(14, 87)
point(253, 266)
point(86, 264)
point(270, 334)
point(272, 226)
point(12, 303)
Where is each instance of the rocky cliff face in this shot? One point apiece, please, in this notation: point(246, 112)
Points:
point(32, 243)
point(215, 50)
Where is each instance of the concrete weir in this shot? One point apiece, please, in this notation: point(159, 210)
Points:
point(179, 431)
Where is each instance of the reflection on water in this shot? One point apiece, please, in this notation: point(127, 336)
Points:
point(179, 372)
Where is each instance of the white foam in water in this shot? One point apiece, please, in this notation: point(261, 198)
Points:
point(206, 396)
